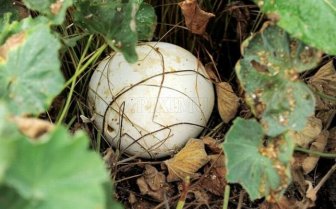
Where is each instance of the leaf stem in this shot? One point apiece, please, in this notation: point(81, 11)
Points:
point(316, 153)
point(74, 78)
point(226, 196)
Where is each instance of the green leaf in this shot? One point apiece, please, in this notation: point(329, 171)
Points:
point(145, 22)
point(8, 140)
point(261, 170)
point(308, 20)
point(29, 67)
point(55, 10)
point(116, 21)
point(269, 74)
point(56, 171)
point(7, 6)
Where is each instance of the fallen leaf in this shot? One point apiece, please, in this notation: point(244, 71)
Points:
point(201, 197)
point(214, 180)
point(331, 145)
point(152, 183)
point(310, 162)
point(211, 72)
point(309, 132)
point(283, 203)
point(324, 82)
point(187, 161)
point(212, 144)
point(227, 101)
point(196, 19)
point(33, 127)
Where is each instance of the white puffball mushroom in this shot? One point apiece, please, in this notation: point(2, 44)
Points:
point(152, 107)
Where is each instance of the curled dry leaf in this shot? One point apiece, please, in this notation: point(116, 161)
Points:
point(33, 127)
point(324, 82)
point(211, 71)
point(212, 144)
point(214, 180)
point(152, 183)
point(227, 101)
point(331, 145)
point(196, 19)
point(309, 133)
point(188, 161)
point(310, 162)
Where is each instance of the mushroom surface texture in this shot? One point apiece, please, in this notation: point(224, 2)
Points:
point(151, 108)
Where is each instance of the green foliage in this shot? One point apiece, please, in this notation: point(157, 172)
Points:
point(29, 67)
point(308, 20)
point(261, 170)
point(53, 9)
point(269, 75)
point(116, 21)
point(56, 171)
point(8, 7)
point(145, 21)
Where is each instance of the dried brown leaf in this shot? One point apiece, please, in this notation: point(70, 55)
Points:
point(214, 180)
point(283, 203)
point(196, 19)
point(310, 162)
point(227, 101)
point(152, 183)
point(212, 144)
point(309, 133)
point(324, 81)
point(33, 127)
point(188, 161)
point(210, 70)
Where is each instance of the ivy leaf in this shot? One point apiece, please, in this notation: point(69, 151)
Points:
point(309, 20)
point(261, 170)
point(30, 74)
point(54, 10)
point(269, 73)
point(145, 21)
point(56, 171)
point(116, 21)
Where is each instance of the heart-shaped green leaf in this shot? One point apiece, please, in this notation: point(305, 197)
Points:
point(269, 75)
point(30, 74)
point(308, 20)
point(261, 170)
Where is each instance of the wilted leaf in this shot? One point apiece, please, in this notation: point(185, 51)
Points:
point(261, 170)
point(55, 10)
point(56, 172)
point(196, 19)
point(310, 162)
point(312, 129)
point(30, 74)
point(214, 180)
point(227, 101)
point(298, 19)
point(269, 75)
point(187, 161)
point(212, 144)
point(324, 83)
point(33, 127)
point(283, 203)
point(152, 183)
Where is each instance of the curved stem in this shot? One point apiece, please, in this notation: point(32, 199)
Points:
point(316, 153)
